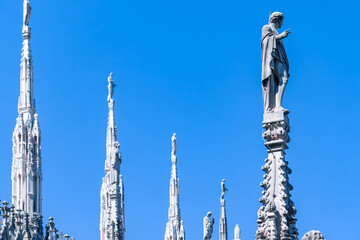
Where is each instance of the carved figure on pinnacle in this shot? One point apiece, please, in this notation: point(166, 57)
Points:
point(111, 87)
point(275, 65)
point(208, 226)
point(223, 189)
point(27, 13)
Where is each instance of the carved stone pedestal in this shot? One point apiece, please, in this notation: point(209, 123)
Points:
point(276, 218)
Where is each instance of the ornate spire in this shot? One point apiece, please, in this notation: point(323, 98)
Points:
point(26, 167)
point(112, 216)
point(223, 221)
point(237, 232)
point(174, 227)
point(276, 218)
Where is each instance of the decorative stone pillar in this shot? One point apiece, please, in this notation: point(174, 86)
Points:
point(276, 218)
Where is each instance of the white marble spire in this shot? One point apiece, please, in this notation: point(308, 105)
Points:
point(112, 215)
point(26, 172)
point(237, 232)
point(174, 227)
point(223, 221)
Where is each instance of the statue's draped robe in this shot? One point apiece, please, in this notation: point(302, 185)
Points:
point(272, 54)
point(207, 227)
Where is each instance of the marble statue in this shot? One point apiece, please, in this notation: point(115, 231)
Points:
point(223, 189)
point(173, 145)
point(26, 13)
point(208, 226)
point(111, 87)
point(275, 65)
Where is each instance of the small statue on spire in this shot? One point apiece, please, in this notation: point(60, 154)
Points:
point(223, 189)
point(173, 140)
point(208, 226)
point(27, 13)
point(111, 87)
point(275, 65)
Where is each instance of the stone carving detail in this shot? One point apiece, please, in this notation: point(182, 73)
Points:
point(208, 226)
point(112, 215)
point(276, 130)
point(275, 65)
point(175, 226)
point(313, 235)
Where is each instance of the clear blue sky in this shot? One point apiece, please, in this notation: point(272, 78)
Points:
point(190, 67)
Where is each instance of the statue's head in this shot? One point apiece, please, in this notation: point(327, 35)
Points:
point(277, 17)
point(209, 214)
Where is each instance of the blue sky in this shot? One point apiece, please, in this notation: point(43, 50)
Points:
point(190, 67)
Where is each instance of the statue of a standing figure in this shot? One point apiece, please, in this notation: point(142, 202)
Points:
point(115, 162)
point(208, 226)
point(275, 65)
point(173, 145)
point(111, 87)
point(27, 13)
point(223, 189)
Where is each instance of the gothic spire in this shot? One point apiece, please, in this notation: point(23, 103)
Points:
point(174, 227)
point(26, 168)
point(112, 215)
point(223, 220)
point(111, 132)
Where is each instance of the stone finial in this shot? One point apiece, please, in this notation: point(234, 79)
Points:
point(237, 232)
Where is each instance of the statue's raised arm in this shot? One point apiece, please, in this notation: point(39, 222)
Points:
point(275, 65)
